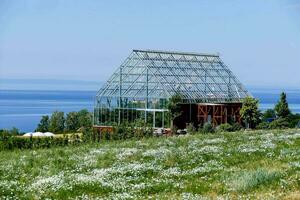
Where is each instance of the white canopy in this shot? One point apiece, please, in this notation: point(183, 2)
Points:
point(48, 134)
point(38, 134)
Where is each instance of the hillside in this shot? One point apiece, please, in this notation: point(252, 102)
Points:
point(254, 164)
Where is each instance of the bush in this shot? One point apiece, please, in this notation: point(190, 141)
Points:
point(269, 114)
point(298, 125)
point(129, 130)
point(294, 120)
point(263, 125)
point(279, 123)
point(12, 142)
point(207, 128)
point(191, 128)
point(174, 129)
point(237, 127)
point(224, 127)
point(14, 131)
point(87, 135)
point(249, 180)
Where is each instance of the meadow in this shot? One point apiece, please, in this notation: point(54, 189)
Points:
point(261, 164)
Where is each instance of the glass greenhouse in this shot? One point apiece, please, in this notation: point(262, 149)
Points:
point(141, 87)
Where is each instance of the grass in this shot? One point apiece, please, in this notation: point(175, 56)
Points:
point(248, 164)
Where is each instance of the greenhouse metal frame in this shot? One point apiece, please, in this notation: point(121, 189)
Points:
point(141, 87)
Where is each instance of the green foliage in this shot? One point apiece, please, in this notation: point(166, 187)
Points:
point(269, 114)
point(123, 131)
point(173, 105)
point(72, 122)
point(228, 127)
point(57, 122)
point(263, 125)
point(12, 132)
point(85, 118)
point(249, 112)
point(294, 120)
point(298, 124)
point(191, 128)
point(74, 138)
point(141, 129)
point(279, 123)
point(250, 180)
point(207, 128)
point(236, 127)
point(88, 135)
point(224, 128)
point(43, 126)
point(8, 142)
point(282, 108)
point(129, 130)
point(174, 129)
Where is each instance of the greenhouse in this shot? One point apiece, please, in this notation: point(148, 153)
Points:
point(142, 86)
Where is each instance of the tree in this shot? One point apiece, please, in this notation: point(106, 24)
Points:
point(282, 107)
point(85, 119)
point(174, 107)
point(72, 122)
point(43, 126)
point(57, 122)
point(269, 114)
point(249, 112)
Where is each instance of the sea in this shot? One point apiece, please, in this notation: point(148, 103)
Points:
point(23, 108)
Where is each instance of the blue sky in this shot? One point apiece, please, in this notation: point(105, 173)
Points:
point(44, 42)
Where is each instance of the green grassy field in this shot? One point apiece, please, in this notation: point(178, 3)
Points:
point(253, 164)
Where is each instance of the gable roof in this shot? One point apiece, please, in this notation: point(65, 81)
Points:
point(161, 74)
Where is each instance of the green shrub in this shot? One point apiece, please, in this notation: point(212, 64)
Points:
point(279, 123)
point(263, 125)
point(12, 142)
point(268, 114)
point(119, 132)
point(207, 128)
point(88, 134)
point(249, 180)
point(191, 128)
point(294, 120)
point(237, 127)
point(174, 129)
point(298, 124)
point(131, 130)
point(106, 135)
point(224, 127)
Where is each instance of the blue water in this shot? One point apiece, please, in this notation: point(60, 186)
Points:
point(23, 109)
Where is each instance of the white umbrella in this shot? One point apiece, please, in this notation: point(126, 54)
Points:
point(28, 134)
point(38, 134)
point(48, 134)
